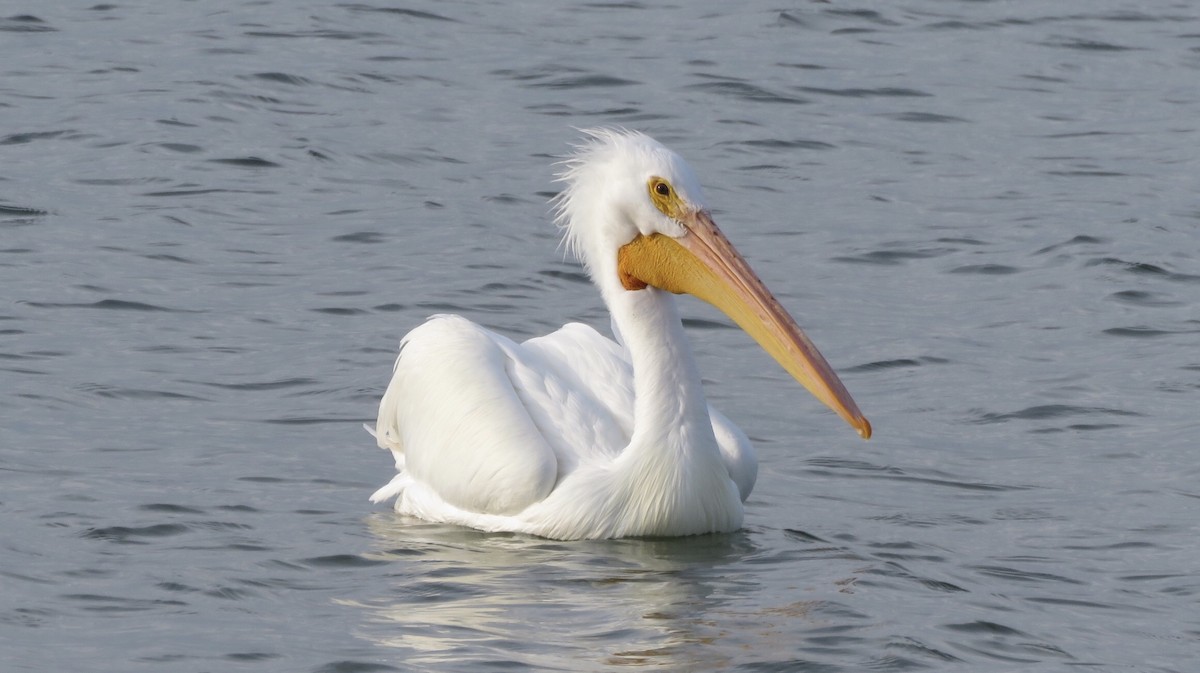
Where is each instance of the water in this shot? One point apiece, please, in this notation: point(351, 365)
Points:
point(217, 219)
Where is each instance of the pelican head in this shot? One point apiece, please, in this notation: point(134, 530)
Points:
point(634, 214)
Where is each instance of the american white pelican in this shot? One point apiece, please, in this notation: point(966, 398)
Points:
point(573, 435)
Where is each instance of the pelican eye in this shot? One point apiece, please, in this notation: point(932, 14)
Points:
point(664, 197)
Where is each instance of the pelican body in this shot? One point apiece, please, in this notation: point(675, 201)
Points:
point(573, 435)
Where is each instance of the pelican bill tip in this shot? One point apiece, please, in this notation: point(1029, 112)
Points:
point(863, 426)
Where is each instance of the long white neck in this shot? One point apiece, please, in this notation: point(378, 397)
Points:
point(667, 387)
point(671, 476)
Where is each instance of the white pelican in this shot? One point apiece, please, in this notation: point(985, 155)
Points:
point(573, 435)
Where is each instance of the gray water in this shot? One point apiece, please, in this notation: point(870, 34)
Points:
point(218, 218)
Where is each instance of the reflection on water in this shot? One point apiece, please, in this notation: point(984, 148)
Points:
point(458, 599)
point(459, 595)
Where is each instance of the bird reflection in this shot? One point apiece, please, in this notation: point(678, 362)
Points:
point(465, 596)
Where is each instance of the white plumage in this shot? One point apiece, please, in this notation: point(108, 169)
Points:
point(573, 435)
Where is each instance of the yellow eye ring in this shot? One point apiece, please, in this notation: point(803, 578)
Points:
point(664, 197)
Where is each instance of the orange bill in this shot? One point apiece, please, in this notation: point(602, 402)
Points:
point(703, 263)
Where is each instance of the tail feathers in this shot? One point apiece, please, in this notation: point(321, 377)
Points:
point(387, 440)
point(393, 488)
point(396, 486)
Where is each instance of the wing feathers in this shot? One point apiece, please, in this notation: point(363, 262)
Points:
point(452, 412)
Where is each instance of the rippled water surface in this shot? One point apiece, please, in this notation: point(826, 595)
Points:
point(218, 218)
